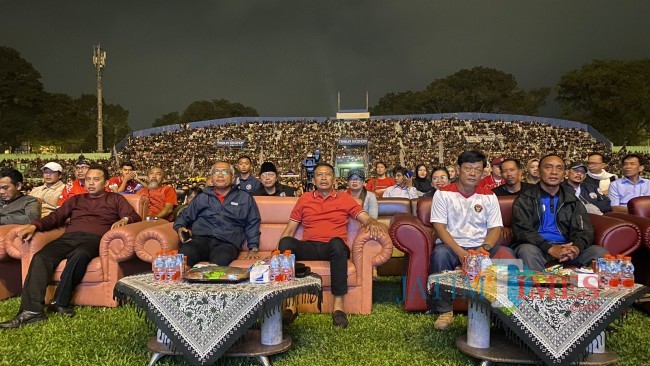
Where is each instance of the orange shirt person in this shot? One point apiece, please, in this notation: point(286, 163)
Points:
point(162, 199)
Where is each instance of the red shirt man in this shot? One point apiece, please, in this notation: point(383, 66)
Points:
point(494, 179)
point(324, 215)
point(127, 181)
point(76, 186)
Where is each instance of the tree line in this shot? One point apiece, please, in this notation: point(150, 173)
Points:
point(613, 96)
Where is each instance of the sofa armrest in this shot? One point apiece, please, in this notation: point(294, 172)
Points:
point(643, 223)
point(409, 234)
point(151, 240)
point(119, 243)
point(615, 235)
point(363, 238)
point(4, 230)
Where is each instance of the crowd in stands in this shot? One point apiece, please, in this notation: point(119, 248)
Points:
point(187, 154)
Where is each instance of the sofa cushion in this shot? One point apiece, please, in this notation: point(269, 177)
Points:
point(93, 272)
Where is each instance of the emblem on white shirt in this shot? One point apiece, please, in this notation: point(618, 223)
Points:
point(478, 208)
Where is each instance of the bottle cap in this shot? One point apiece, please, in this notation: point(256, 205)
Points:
point(276, 252)
point(287, 252)
point(627, 258)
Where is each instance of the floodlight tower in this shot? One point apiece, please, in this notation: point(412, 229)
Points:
point(99, 60)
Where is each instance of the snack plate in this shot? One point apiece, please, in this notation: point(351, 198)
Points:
point(217, 274)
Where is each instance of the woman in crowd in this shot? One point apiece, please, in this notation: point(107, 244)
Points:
point(356, 179)
point(421, 182)
point(440, 177)
point(452, 174)
point(532, 171)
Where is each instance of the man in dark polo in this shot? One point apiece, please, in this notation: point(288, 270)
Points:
point(90, 216)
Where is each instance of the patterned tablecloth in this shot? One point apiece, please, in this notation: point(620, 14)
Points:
point(203, 320)
point(555, 324)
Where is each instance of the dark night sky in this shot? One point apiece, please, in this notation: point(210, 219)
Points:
point(290, 57)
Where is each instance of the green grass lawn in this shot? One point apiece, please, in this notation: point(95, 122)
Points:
point(389, 336)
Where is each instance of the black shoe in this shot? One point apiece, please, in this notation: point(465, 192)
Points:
point(288, 316)
point(339, 319)
point(24, 317)
point(63, 310)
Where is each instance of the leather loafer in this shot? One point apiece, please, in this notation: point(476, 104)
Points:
point(63, 310)
point(24, 317)
point(339, 319)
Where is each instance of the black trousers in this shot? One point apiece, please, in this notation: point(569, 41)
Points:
point(79, 249)
point(202, 248)
point(335, 251)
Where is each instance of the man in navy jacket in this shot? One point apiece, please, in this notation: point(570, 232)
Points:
point(217, 221)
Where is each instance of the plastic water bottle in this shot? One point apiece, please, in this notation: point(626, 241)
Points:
point(627, 272)
point(159, 266)
point(614, 272)
point(287, 272)
point(170, 267)
point(274, 267)
point(471, 265)
point(603, 272)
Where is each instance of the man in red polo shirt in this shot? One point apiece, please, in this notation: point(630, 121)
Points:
point(324, 215)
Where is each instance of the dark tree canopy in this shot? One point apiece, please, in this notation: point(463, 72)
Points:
point(612, 96)
point(203, 110)
point(479, 89)
point(172, 118)
point(28, 113)
point(21, 95)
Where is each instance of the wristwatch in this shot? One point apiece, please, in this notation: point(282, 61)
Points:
point(486, 246)
point(255, 249)
point(126, 218)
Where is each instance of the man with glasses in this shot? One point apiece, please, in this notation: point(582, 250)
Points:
point(549, 223)
point(596, 164)
point(591, 196)
point(51, 189)
point(465, 217)
point(270, 185)
point(215, 224)
point(511, 171)
point(76, 186)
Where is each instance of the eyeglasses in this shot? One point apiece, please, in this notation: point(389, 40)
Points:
point(442, 177)
point(221, 172)
point(48, 171)
point(81, 168)
point(468, 170)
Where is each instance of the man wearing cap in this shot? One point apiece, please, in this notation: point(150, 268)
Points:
point(401, 188)
point(16, 208)
point(590, 195)
point(51, 189)
point(76, 186)
point(494, 179)
point(511, 172)
point(270, 185)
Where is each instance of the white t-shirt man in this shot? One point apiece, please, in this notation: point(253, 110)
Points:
point(467, 218)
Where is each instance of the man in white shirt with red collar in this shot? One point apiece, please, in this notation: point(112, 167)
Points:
point(465, 216)
point(400, 189)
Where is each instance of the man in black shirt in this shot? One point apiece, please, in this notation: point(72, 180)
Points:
point(511, 171)
point(270, 185)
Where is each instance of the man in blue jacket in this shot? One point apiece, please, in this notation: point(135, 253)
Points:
point(216, 222)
